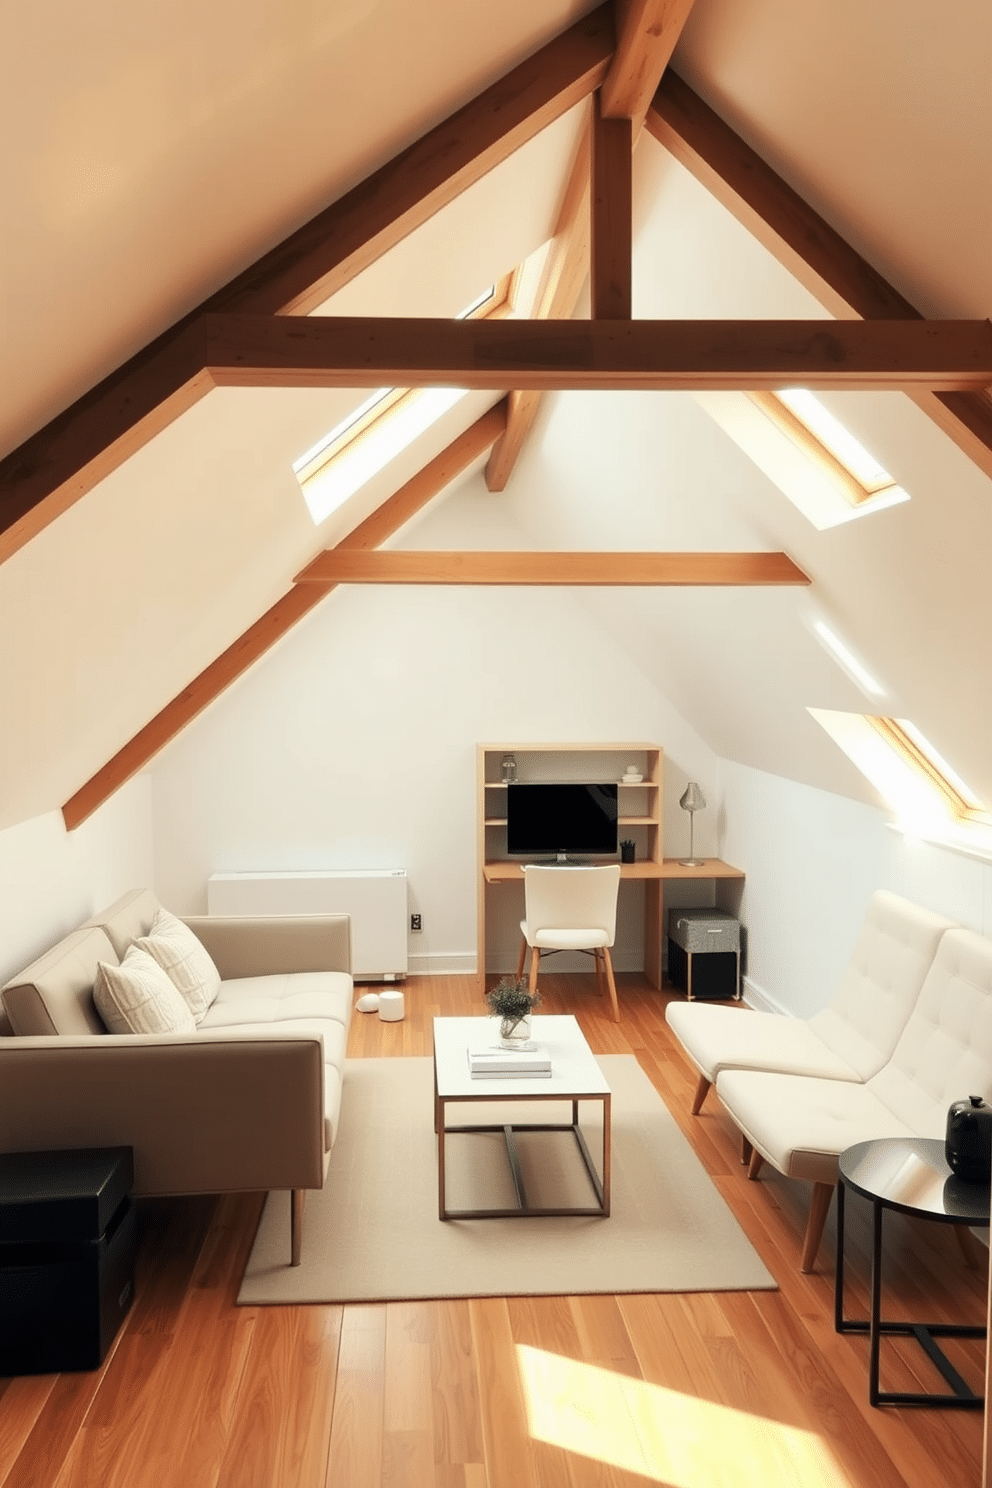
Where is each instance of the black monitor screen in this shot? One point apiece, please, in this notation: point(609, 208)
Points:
point(561, 818)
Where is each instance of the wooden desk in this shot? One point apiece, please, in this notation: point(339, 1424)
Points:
point(654, 875)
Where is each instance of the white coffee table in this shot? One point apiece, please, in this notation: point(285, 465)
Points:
point(575, 1076)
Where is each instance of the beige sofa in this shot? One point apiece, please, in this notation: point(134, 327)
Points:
point(800, 1123)
point(907, 1032)
point(249, 1101)
point(852, 1037)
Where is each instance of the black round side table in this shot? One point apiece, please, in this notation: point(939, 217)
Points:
point(909, 1175)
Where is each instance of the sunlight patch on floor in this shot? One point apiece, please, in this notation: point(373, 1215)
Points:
point(664, 1435)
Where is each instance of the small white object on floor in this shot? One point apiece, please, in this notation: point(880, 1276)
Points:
point(368, 1002)
point(391, 1007)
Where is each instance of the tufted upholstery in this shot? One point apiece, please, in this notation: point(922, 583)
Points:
point(881, 983)
point(801, 1125)
point(853, 1037)
point(945, 1051)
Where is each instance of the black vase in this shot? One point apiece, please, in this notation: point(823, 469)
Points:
point(968, 1144)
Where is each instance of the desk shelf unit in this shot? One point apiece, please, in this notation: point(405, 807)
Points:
point(641, 817)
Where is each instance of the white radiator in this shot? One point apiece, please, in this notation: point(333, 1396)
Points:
point(375, 899)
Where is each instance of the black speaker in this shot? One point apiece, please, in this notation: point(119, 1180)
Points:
point(714, 975)
point(67, 1243)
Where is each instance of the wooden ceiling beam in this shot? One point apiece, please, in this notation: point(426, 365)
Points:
point(320, 351)
point(611, 245)
point(842, 281)
point(277, 621)
point(647, 33)
point(565, 271)
point(615, 570)
point(82, 445)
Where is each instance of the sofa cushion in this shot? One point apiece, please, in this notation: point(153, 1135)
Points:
point(945, 1052)
point(184, 960)
point(54, 995)
point(719, 1038)
point(274, 998)
point(881, 982)
point(139, 997)
point(801, 1125)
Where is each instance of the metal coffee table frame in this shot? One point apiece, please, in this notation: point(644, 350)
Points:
point(510, 1090)
point(930, 1153)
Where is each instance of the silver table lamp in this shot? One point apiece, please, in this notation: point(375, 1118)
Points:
point(692, 801)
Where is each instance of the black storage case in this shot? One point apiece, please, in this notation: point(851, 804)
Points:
point(704, 953)
point(67, 1242)
point(713, 975)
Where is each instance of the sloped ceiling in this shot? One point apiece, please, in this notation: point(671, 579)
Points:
point(163, 155)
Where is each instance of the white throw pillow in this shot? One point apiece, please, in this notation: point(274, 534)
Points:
point(184, 959)
point(138, 997)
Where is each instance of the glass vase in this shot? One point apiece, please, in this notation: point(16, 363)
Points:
point(514, 1032)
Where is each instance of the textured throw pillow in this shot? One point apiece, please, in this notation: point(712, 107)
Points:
point(184, 959)
point(138, 997)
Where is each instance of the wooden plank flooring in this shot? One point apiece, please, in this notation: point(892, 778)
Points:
point(558, 1392)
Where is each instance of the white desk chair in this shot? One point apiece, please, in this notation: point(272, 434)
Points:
point(571, 909)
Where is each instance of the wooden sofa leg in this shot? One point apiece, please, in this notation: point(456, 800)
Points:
point(746, 1150)
point(820, 1203)
point(296, 1199)
point(699, 1095)
point(755, 1164)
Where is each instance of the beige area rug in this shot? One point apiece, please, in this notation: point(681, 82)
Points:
point(372, 1233)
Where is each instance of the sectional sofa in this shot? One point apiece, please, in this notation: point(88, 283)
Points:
point(250, 1099)
point(908, 1031)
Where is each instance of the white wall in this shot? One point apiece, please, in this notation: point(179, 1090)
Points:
point(812, 860)
point(354, 745)
point(51, 879)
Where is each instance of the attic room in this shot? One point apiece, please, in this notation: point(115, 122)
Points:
point(179, 702)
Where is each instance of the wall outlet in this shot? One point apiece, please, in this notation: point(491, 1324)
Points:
point(416, 922)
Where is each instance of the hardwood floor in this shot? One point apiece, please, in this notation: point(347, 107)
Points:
point(559, 1392)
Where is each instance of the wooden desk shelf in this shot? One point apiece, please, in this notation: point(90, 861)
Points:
point(643, 817)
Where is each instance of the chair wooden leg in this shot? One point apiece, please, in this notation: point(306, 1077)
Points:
point(597, 956)
point(523, 957)
point(611, 983)
point(820, 1203)
point(746, 1150)
point(296, 1200)
point(755, 1164)
point(535, 961)
point(699, 1095)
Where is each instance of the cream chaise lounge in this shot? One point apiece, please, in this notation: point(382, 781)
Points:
point(248, 1101)
point(852, 1037)
point(800, 1123)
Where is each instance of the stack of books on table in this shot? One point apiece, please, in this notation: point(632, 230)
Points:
point(505, 1064)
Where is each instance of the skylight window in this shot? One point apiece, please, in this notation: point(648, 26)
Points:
point(337, 476)
point(927, 796)
point(388, 421)
point(837, 440)
point(806, 452)
point(321, 452)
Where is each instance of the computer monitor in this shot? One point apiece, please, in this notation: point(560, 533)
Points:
point(561, 819)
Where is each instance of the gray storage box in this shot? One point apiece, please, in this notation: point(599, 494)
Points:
point(714, 935)
point(698, 930)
